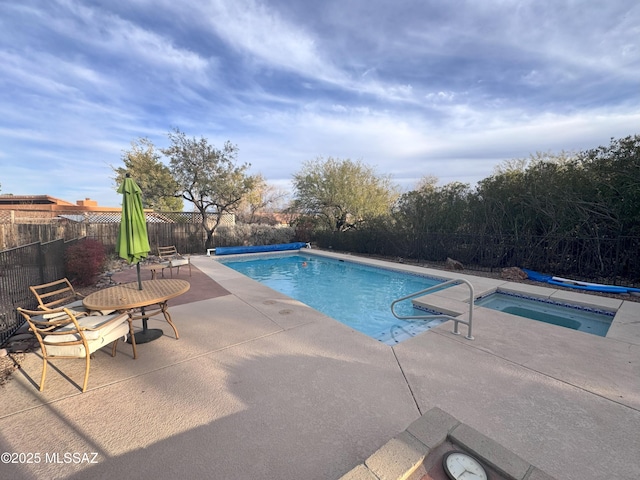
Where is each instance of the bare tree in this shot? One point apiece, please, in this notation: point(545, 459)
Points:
point(208, 177)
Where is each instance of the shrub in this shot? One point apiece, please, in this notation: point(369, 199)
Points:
point(254, 234)
point(84, 261)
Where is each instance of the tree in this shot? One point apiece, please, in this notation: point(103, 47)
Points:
point(615, 170)
point(342, 193)
point(208, 177)
point(142, 161)
point(259, 205)
point(434, 209)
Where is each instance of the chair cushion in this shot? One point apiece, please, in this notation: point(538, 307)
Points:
point(75, 307)
point(179, 262)
point(91, 322)
point(121, 331)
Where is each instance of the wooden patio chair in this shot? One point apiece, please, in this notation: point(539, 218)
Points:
point(77, 336)
point(173, 259)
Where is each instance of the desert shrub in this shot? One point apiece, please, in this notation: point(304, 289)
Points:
point(231, 236)
point(268, 235)
point(84, 261)
point(304, 229)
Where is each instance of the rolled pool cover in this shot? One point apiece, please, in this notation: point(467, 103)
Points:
point(260, 248)
point(591, 287)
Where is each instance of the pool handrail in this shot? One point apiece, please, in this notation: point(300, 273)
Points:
point(456, 320)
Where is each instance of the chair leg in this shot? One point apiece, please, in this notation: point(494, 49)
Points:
point(86, 373)
point(44, 372)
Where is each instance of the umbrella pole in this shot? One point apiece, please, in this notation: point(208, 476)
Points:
point(139, 277)
point(147, 334)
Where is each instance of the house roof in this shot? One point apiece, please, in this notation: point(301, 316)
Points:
point(32, 200)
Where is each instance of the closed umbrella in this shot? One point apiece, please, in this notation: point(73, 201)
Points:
point(133, 240)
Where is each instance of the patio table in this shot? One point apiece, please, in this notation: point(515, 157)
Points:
point(129, 298)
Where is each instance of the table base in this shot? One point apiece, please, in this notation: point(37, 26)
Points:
point(146, 336)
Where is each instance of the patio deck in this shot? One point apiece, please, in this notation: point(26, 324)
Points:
point(262, 386)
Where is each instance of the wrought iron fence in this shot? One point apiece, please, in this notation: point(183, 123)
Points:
point(21, 267)
point(603, 260)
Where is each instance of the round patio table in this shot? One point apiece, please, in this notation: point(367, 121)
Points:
point(129, 298)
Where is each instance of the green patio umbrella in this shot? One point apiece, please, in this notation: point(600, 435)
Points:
point(133, 240)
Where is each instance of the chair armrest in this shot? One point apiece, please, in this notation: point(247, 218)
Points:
point(51, 315)
point(91, 328)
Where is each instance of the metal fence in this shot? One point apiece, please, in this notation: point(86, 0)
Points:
point(42, 262)
point(614, 261)
point(21, 267)
point(603, 260)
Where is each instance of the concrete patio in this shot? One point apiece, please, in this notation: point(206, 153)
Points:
point(262, 386)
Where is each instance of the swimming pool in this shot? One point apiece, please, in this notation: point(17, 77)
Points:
point(576, 317)
point(357, 295)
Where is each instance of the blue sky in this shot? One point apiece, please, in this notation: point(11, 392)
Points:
point(412, 88)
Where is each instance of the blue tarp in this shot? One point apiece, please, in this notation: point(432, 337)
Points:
point(260, 248)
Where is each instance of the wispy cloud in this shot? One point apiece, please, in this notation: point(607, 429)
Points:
point(414, 88)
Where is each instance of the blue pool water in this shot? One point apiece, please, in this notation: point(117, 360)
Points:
point(579, 318)
point(354, 294)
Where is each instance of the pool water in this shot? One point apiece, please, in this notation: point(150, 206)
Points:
point(579, 318)
point(357, 295)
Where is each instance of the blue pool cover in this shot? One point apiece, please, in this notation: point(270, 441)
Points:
point(260, 248)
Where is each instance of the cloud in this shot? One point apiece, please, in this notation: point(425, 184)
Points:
point(268, 40)
point(413, 88)
point(106, 33)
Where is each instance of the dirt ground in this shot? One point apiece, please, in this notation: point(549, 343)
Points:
point(13, 353)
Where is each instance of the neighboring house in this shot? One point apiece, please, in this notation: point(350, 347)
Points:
point(46, 209)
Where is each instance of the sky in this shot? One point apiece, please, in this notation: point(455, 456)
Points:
point(447, 88)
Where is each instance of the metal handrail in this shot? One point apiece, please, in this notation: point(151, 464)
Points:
point(442, 315)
